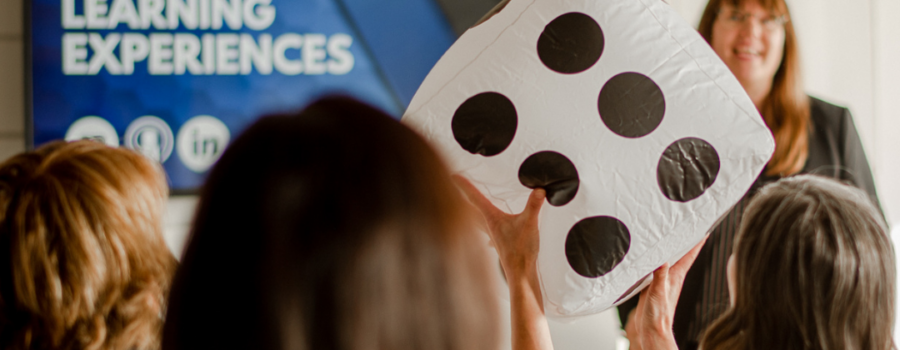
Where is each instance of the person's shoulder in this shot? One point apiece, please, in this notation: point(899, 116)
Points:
point(826, 114)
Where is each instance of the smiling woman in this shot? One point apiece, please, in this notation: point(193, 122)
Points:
point(757, 41)
point(751, 44)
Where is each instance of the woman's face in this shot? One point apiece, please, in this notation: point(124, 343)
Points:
point(750, 40)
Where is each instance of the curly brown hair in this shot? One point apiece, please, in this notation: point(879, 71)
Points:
point(85, 265)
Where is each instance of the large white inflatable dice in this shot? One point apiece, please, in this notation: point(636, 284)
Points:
point(621, 111)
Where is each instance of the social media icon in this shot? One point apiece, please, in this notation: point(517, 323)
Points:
point(151, 137)
point(201, 141)
point(93, 128)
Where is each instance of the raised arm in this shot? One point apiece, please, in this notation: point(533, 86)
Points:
point(517, 241)
point(650, 327)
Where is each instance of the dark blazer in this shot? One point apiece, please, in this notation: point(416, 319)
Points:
point(835, 151)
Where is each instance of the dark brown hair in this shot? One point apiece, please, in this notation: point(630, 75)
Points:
point(786, 108)
point(333, 228)
point(814, 269)
point(84, 262)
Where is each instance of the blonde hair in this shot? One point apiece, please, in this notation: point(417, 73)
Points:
point(814, 269)
point(786, 108)
point(85, 263)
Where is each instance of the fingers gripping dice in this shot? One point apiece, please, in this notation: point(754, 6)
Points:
point(640, 135)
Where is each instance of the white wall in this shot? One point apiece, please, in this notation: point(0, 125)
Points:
point(885, 146)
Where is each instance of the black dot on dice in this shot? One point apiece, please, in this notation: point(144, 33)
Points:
point(595, 245)
point(631, 105)
point(554, 173)
point(571, 43)
point(485, 124)
point(687, 168)
point(631, 289)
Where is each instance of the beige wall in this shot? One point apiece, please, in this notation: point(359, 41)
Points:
point(12, 115)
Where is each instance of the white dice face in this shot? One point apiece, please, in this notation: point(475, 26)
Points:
point(621, 111)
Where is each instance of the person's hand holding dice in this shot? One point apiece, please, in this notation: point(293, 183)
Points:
point(517, 240)
point(620, 112)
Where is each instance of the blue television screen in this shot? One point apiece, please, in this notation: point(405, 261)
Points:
point(177, 80)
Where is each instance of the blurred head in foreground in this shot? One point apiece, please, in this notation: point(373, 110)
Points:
point(333, 228)
point(812, 268)
point(84, 264)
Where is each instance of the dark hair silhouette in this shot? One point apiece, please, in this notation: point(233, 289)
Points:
point(334, 228)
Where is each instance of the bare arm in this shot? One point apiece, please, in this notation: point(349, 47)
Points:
point(529, 325)
point(517, 241)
